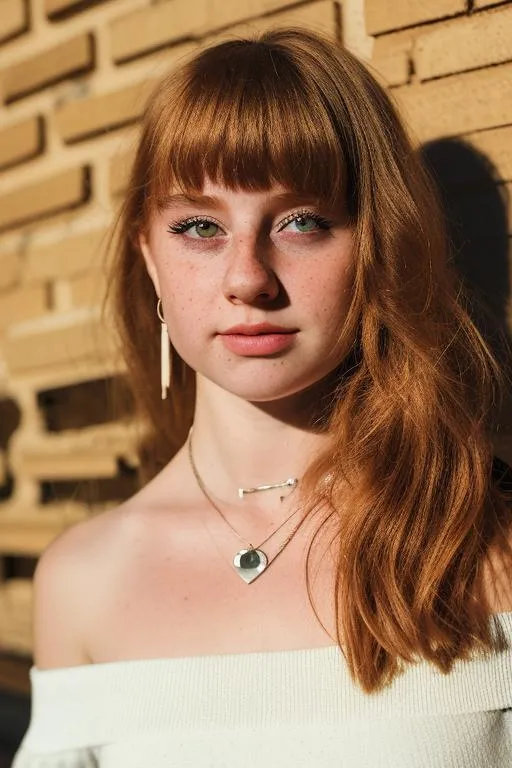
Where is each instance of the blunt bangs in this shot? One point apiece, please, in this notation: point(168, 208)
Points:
point(244, 114)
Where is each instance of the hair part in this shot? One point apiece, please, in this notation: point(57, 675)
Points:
point(410, 456)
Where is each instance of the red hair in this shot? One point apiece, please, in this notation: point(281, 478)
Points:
point(410, 457)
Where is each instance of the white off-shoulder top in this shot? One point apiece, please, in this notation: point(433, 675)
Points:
point(279, 709)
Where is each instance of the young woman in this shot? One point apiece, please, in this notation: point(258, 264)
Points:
point(317, 569)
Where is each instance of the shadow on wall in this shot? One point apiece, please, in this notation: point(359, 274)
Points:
point(10, 416)
point(475, 203)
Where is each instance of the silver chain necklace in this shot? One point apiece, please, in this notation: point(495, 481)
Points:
point(250, 562)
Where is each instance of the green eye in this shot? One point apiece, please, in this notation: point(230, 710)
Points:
point(206, 229)
point(306, 223)
point(196, 228)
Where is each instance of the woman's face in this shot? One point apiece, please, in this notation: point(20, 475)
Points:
point(277, 265)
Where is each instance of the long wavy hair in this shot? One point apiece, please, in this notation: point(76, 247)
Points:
point(409, 417)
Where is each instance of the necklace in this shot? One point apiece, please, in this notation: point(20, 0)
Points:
point(250, 562)
point(292, 482)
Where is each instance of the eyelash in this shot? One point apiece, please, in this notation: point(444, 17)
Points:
point(179, 227)
point(322, 223)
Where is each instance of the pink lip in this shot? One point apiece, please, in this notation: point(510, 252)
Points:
point(257, 328)
point(257, 340)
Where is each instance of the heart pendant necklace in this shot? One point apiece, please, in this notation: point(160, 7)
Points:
point(250, 562)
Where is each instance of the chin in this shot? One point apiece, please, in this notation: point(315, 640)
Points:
point(263, 387)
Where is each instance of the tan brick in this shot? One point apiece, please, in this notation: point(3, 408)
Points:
point(88, 290)
point(496, 145)
point(385, 15)
point(393, 69)
point(15, 623)
point(69, 466)
point(458, 104)
point(30, 533)
point(488, 3)
point(224, 13)
point(320, 17)
point(22, 304)
point(58, 7)
point(155, 26)
point(64, 218)
point(150, 28)
point(66, 190)
point(10, 268)
point(487, 158)
point(21, 142)
point(98, 114)
point(45, 465)
point(70, 58)
point(392, 52)
point(73, 454)
point(391, 57)
point(88, 341)
point(119, 172)
point(477, 41)
point(67, 257)
point(13, 18)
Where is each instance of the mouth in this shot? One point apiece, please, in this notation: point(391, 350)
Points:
point(260, 340)
point(258, 329)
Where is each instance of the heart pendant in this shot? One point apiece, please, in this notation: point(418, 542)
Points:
point(249, 563)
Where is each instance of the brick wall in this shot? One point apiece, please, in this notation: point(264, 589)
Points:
point(448, 64)
point(73, 78)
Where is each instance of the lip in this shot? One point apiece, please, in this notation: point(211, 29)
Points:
point(256, 329)
point(258, 340)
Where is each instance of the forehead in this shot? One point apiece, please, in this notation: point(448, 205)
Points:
point(246, 115)
point(214, 194)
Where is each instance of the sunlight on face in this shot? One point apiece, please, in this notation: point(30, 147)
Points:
point(255, 286)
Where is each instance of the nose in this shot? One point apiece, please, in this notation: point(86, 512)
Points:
point(249, 277)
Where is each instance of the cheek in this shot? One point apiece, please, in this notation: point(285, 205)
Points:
point(325, 293)
point(187, 303)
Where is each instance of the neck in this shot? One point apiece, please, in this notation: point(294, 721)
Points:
point(238, 444)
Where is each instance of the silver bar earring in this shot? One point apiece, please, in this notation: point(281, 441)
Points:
point(165, 352)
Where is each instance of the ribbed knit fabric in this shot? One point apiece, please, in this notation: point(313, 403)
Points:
point(275, 709)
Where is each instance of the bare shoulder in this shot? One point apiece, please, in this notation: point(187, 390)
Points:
point(96, 579)
point(79, 574)
point(66, 584)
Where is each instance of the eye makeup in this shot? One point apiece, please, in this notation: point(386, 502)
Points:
point(183, 225)
point(320, 221)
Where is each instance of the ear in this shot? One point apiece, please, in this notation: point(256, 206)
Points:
point(150, 264)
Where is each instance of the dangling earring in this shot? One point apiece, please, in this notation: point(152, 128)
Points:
point(165, 352)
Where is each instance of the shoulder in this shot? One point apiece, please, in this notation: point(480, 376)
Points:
point(67, 582)
point(77, 575)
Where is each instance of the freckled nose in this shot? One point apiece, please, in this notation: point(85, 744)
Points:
point(249, 277)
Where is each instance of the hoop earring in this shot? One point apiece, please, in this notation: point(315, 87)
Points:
point(165, 352)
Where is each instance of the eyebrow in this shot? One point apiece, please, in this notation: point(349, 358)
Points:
point(287, 197)
point(181, 199)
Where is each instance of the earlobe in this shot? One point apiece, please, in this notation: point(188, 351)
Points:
point(148, 258)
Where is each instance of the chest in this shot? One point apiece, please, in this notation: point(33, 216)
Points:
point(184, 598)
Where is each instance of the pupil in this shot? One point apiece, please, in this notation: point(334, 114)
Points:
point(206, 227)
point(303, 222)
